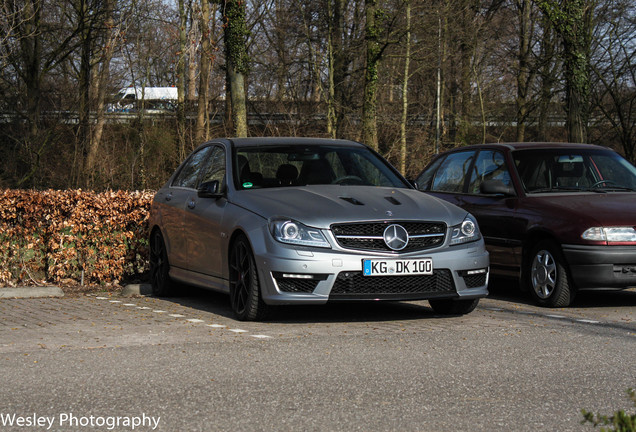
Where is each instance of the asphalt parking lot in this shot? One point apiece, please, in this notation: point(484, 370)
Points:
point(382, 366)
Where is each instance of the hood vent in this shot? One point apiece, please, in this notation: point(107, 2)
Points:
point(352, 200)
point(392, 200)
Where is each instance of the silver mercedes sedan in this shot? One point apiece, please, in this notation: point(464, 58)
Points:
point(275, 221)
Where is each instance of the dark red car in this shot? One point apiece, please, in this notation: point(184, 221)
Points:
point(560, 217)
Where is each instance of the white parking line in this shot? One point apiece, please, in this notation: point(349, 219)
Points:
point(191, 320)
point(587, 321)
point(548, 315)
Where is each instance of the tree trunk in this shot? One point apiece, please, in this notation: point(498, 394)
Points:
point(339, 65)
point(204, 77)
point(548, 76)
point(405, 87)
point(332, 120)
point(181, 81)
point(572, 19)
point(523, 73)
point(369, 119)
point(100, 85)
point(84, 86)
point(237, 62)
point(31, 51)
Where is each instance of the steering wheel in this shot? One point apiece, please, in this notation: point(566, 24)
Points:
point(600, 182)
point(348, 179)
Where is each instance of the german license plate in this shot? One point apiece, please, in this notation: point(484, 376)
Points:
point(397, 267)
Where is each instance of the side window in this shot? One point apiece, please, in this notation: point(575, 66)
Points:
point(189, 174)
point(490, 165)
point(533, 171)
point(424, 179)
point(216, 166)
point(452, 172)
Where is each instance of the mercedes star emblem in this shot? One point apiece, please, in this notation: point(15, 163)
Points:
point(396, 237)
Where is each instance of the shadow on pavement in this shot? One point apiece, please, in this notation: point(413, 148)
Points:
point(219, 304)
point(508, 290)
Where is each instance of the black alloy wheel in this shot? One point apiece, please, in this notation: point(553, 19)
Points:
point(245, 295)
point(162, 285)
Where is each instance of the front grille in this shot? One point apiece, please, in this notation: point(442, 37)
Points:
point(354, 283)
point(474, 281)
point(369, 235)
point(296, 285)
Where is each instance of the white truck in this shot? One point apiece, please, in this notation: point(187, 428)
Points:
point(155, 99)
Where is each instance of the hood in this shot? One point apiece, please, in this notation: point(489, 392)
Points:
point(599, 209)
point(322, 205)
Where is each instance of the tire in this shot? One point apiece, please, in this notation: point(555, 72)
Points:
point(162, 285)
point(453, 307)
point(245, 292)
point(547, 276)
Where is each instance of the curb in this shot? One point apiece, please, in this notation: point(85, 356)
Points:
point(31, 292)
point(136, 289)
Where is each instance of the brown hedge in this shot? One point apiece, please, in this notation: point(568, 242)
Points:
point(72, 236)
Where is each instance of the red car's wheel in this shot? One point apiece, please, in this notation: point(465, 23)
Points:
point(549, 281)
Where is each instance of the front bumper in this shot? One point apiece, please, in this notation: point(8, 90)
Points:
point(599, 267)
point(314, 276)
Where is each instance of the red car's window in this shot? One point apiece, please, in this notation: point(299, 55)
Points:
point(490, 165)
point(451, 175)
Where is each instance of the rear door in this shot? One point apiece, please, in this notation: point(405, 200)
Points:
point(174, 204)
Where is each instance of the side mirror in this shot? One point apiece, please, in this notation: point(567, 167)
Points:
point(210, 189)
point(496, 187)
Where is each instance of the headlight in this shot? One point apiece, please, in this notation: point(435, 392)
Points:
point(292, 232)
point(467, 231)
point(610, 234)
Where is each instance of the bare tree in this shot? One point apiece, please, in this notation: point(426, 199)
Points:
point(572, 19)
point(236, 61)
point(405, 88)
point(108, 35)
point(372, 32)
point(614, 73)
point(202, 130)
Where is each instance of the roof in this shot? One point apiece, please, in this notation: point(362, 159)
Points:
point(531, 145)
point(286, 141)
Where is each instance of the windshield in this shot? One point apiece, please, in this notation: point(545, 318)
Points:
point(548, 170)
point(285, 166)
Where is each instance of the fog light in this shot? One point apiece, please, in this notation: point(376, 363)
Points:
point(297, 276)
point(475, 272)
